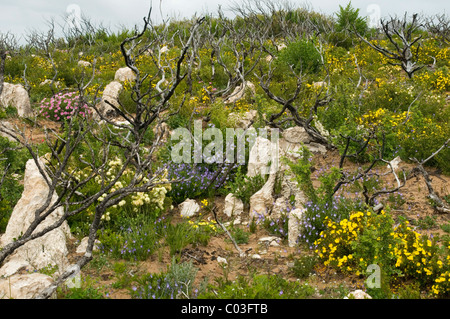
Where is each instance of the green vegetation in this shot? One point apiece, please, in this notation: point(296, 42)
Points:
point(345, 91)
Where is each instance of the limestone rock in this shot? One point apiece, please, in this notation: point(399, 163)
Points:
point(261, 202)
point(49, 249)
point(16, 96)
point(7, 126)
point(24, 286)
point(240, 91)
point(263, 157)
point(280, 207)
point(296, 134)
point(295, 218)
point(189, 208)
point(233, 206)
point(81, 249)
point(124, 74)
point(246, 120)
point(358, 294)
point(49, 82)
point(291, 189)
point(111, 94)
point(270, 241)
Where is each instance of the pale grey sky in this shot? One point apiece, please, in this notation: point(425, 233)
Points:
point(21, 16)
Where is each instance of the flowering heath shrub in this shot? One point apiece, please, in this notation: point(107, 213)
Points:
point(63, 106)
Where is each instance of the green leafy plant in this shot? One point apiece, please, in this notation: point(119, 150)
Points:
point(258, 287)
point(304, 266)
point(348, 17)
point(243, 186)
point(302, 55)
point(176, 283)
point(239, 235)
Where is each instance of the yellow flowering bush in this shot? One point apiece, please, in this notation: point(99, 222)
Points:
point(421, 136)
point(416, 255)
point(438, 80)
point(204, 225)
point(441, 285)
point(352, 244)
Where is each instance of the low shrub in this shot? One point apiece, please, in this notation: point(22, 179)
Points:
point(63, 106)
point(364, 239)
point(302, 55)
point(258, 287)
point(176, 283)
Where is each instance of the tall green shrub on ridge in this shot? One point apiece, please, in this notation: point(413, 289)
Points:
point(302, 55)
point(348, 17)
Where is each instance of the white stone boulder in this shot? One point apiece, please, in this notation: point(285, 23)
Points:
point(296, 134)
point(280, 207)
point(189, 208)
point(49, 249)
point(16, 96)
point(81, 249)
point(24, 286)
point(49, 82)
point(124, 74)
point(262, 201)
point(294, 225)
point(273, 241)
point(290, 188)
point(358, 294)
point(233, 206)
point(244, 121)
point(8, 127)
point(263, 157)
point(111, 94)
point(239, 92)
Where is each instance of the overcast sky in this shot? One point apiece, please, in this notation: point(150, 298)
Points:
point(21, 16)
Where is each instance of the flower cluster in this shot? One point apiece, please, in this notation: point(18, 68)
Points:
point(154, 198)
point(441, 286)
point(205, 225)
point(192, 180)
point(415, 254)
point(382, 117)
point(352, 244)
point(334, 246)
point(438, 80)
point(63, 106)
